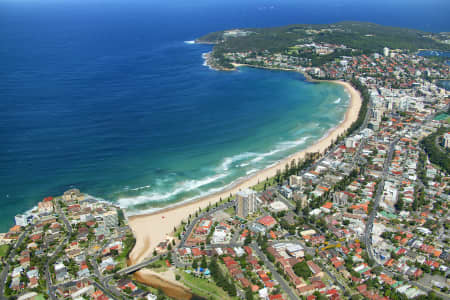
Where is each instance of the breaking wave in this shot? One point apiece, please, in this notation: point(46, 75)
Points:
point(227, 162)
point(200, 186)
point(182, 187)
point(283, 146)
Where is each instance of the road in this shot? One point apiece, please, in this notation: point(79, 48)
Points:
point(379, 192)
point(429, 289)
point(105, 291)
point(202, 215)
point(50, 287)
point(284, 285)
point(421, 286)
point(5, 271)
point(325, 267)
point(285, 201)
point(136, 267)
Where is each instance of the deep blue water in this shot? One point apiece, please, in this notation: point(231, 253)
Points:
point(106, 96)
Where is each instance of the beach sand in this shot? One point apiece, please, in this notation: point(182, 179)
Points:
point(151, 229)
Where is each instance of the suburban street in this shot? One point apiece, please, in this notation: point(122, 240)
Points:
point(4, 274)
point(284, 285)
point(369, 224)
point(191, 226)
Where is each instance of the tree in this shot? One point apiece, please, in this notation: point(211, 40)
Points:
point(203, 264)
point(399, 204)
point(298, 207)
point(293, 167)
point(278, 176)
point(195, 264)
point(248, 294)
point(248, 239)
point(231, 289)
point(301, 269)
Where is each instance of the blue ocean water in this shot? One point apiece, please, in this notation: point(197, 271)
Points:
point(106, 96)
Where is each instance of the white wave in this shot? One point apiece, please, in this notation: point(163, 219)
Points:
point(205, 59)
point(230, 160)
point(141, 188)
point(337, 100)
point(131, 211)
point(30, 211)
point(182, 187)
point(189, 42)
point(190, 185)
point(98, 199)
point(251, 171)
point(283, 146)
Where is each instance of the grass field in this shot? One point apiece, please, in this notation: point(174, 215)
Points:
point(158, 266)
point(230, 211)
point(260, 186)
point(3, 250)
point(202, 287)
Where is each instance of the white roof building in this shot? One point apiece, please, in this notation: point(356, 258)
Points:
point(17, 271)
point(263, 293)
point(219, 236)
point(278, 206)
point(239, 251)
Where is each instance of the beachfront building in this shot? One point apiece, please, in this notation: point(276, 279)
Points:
point(447, 140)
point(21, 220)
point(46, 205)
point(73, 195)
point(245, 203)
point(111, 218)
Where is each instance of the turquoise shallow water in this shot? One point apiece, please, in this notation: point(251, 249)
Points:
point(263, 117)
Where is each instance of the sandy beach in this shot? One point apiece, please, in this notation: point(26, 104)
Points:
point(151, 229)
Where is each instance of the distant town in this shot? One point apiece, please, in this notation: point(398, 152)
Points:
point(367, 219)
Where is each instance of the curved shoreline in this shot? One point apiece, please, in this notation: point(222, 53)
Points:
point(156, 226)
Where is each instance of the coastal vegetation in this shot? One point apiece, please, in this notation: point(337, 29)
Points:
point(221, 279)
point(364, 105)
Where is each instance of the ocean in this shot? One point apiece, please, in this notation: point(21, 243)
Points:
point(112, 98)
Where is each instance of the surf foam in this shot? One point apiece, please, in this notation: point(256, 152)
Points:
point(283, 146)
point(182, 187)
